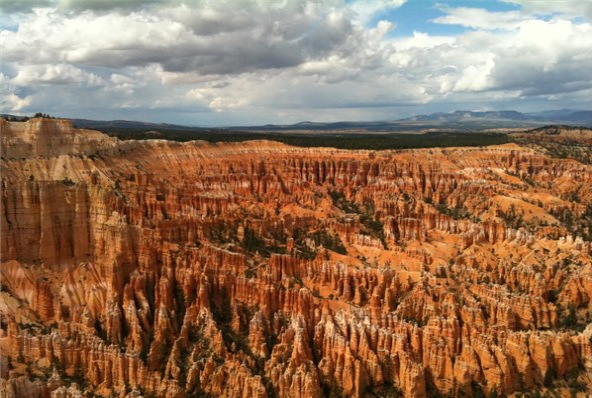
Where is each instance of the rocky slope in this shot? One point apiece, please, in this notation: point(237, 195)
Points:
point(256, 269)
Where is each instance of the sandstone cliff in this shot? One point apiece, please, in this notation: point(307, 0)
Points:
point(258, 269)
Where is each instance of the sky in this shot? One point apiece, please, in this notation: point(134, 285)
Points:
point(239, 62)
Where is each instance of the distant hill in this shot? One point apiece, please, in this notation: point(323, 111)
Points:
point(565, 116)
point(459, 116)
point(582, 116)
point(460, 120)
point(97, 124)
point(454, 121)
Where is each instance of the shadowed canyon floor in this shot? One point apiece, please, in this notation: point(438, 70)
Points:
point(256, 269)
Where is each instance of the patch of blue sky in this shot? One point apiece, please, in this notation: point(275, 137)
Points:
point(418, 16)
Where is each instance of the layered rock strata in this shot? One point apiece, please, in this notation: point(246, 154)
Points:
point(256, 269)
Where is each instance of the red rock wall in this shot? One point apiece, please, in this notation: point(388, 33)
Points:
point(182, 269)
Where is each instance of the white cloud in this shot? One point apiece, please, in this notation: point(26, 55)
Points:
point(569, 8)
point(545, 57)
point(535, 58)
point(366, 9)
point(478, 18)
point(14, 103)
point(475, 77)
point(55, 75)
point(220, 104)
point(9, 100)
point(422, 40)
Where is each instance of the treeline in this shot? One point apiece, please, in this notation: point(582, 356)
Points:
point(341, 141)
point(16, 118)
point(44, 115)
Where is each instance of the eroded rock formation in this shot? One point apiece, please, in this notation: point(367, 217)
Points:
point(256, 269)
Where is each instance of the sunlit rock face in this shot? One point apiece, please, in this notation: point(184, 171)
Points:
point(257, 269)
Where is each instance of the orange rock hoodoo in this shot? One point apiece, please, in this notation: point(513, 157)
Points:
point(256, 269)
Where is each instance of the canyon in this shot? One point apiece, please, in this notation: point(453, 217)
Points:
point(256, 269)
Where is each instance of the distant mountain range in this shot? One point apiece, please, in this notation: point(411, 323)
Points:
point(458, 120)
point(567, 116)
point(454, 121)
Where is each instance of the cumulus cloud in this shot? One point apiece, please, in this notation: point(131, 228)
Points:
point(14, 103)
point(569, 8)
point(366, 9)
point(10, 101)
point(256, 61)
point(59, 74)
point(265, 38)
point(545, 57)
